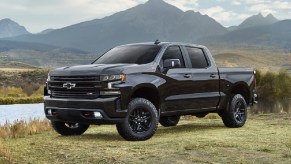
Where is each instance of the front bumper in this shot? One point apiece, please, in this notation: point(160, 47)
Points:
point(81, 110)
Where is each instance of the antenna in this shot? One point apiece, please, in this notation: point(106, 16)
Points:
point(157, 42)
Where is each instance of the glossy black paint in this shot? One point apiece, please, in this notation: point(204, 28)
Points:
point(178, 91)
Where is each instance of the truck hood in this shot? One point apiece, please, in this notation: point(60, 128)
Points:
point(91, 70)
point(95, 69)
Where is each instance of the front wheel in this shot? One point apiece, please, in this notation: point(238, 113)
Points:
point(141, 121)
point(68, 129)
point(236, 114)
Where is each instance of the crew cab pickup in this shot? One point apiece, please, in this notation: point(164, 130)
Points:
point(137, 86)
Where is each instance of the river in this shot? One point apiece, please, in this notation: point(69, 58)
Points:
point(26, 112)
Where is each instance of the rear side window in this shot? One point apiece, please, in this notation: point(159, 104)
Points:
point(174, 52)
point(197, 57)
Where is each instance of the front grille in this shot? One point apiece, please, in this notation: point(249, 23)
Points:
point(82, 87)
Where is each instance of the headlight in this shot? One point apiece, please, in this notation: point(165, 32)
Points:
point(112, 77)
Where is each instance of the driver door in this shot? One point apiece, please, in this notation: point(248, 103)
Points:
point(177, 91)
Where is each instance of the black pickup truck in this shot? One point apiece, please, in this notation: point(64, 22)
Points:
point(136, 86)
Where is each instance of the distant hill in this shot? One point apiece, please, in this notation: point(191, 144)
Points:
point(42, 55)
point(153, 20)
point(258, 20)
point(9, 28)
point(46, 31)
point(16, 65)
point(277, 35)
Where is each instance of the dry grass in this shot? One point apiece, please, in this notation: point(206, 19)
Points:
point(17, 69)
point(262, 60)
point(264, 139)
point(21, 128)
point(5, 155)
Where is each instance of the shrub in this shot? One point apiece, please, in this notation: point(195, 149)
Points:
point(21, 128)
point(273, 87)
point(30, 88)
point(24, 100)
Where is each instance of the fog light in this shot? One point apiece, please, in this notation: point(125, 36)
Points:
point(49, 112)
point(98, 115)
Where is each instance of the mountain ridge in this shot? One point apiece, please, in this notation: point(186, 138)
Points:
point(152, 20)
point(10, 28)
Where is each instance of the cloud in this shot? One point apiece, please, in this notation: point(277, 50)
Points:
point(184, 4)
point(37, 15)
point(219, 14)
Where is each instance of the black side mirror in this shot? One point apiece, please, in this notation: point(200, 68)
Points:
point(172, 63)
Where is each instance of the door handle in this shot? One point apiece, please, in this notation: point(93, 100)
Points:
point(213, 76)
point(187, 75)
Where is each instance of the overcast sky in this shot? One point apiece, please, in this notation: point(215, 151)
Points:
point(38, 15)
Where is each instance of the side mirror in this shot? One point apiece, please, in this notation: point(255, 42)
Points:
point(172, 63)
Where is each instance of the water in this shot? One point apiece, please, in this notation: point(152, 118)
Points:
point(26, 112)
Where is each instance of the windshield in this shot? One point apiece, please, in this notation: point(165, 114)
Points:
point(131, 54)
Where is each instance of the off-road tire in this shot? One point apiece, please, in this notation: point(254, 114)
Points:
point(68, 129)
point(169, 121)
point(141, 121)
point(236, 114)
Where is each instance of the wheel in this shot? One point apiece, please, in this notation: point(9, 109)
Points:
point(67, 129)
point(169, 121)
point(141, 121)
point(236, 114)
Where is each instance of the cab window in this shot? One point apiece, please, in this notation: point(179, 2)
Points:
point(197, 57)
point(174, 52)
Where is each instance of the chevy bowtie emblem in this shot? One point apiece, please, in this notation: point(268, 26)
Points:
point(69, 85)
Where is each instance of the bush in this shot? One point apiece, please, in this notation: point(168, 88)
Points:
point(24, 100)
point(274, 90)
point(273, 87)
point(30, 88)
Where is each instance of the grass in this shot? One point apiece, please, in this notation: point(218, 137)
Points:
point(264, 139)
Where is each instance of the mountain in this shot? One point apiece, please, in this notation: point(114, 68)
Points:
point(153, 20)
point(47, 31)
point(275, 35)
point(9, 28)
point(257, 20)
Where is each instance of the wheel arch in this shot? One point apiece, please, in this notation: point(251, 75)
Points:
point(149, 92)
point(241, 88)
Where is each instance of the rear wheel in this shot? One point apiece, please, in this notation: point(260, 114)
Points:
point(169, 121)
point(236, 114)
point(67, 129)
point(141, 121)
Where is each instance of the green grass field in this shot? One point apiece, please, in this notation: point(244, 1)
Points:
point(264, 139)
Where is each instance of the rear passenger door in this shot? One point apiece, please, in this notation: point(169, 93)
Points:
point(205, 79)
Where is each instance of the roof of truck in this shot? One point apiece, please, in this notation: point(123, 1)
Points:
point(167, 44)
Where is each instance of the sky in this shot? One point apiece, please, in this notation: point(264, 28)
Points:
point(38, 15)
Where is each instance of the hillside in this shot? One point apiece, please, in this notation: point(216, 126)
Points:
point(47, 59)
point(261, 59)
point(153, 20)
point(11, 65)
point(275, 35)
point(9, 28)
point(42, 55)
